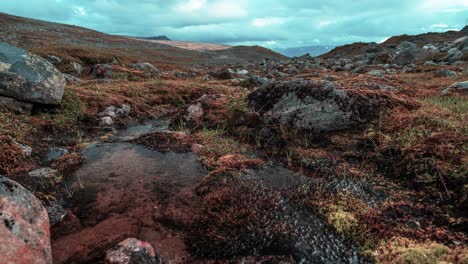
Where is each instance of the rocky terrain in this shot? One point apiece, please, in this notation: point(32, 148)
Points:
point(116, 150)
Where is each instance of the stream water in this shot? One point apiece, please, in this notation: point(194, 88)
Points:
point(127, 190)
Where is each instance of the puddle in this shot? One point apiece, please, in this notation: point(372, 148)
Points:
point(142, 190)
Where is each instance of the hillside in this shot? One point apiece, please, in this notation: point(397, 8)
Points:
point(351, 50)
point(75, 43)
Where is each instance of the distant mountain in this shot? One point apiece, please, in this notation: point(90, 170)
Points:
point(91, 47)
point(162, 37)
point(299, 51)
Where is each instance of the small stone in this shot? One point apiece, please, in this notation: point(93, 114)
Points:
point(132, 251)
point(27, 151)
point(55, 153)
point(107, 121)
point(71, 79)
point(43, 173)
point(377, 73)
point(430, 63)
point(242, 72)
point(197, 148)
point(109, 111)
point(124, 110)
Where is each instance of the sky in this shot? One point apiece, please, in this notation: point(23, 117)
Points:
point(273, 24)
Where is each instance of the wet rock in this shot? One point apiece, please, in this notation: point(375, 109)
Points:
point(89, 244)
point(24, 226)
point(16, 105)
point(312, 105)
point(55, 153)
point(132, 251)
point(224, 74)
point(28, 77)
point(43, 173)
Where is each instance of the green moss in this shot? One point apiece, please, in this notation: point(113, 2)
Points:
point(342, 221)
point(416, 256)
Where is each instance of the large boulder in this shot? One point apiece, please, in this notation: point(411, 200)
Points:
point(316, 106)
point(406, 53)
point(28, 77)
point(24, 226)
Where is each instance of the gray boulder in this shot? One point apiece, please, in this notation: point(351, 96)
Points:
point(453, 55)
point(406, 53)
point(147, 67)
point(24, 226)
point(28, 77)
point(312, 105)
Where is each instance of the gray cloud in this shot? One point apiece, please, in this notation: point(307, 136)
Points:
point(268, 23)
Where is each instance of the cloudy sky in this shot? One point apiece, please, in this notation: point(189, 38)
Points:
point(271, 23)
